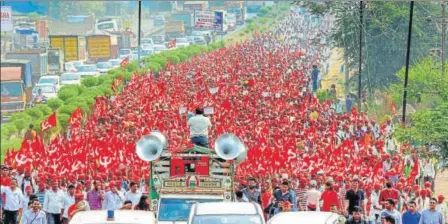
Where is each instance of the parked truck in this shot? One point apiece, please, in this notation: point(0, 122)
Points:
point(16, 86)
point(187, 18)
point(38, 59)
point(174, 29)
point(55, 61)
point(99, 47)
point(72, 46)
point(254, 6)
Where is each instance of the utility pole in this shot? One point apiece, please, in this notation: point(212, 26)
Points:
point(361, 28)
point(408, 53)
point(444, 22)
point(139, 31)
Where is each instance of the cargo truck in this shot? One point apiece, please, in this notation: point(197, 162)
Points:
point(16, 86)
point(174, 29)
point(38, 59)
point(55, 61)
point(187, 18)
point(254, 6)
point(101, 47)
point(195, 5)
point(72, 46)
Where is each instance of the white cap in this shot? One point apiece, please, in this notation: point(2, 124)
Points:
point(285, 176)
point(313, 183)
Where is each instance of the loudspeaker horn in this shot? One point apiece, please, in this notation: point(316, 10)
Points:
point(229, 147)
point(151, 146)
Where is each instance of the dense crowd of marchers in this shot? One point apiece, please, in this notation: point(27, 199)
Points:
point(262, 90)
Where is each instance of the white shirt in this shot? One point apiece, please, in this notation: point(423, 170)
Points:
point(53, 201)
point(26, 199)
point(66, 203)
point(134, 197)
point(443, 208)
point(14, 199)
point(199, 126)
point(313, 196)
point(428, 170)
point(112, 201)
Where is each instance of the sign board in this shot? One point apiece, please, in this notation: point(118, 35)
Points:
point(218, 21)
point(6, 19)
point(204, 19)
point(98, 46)
point(68, 44)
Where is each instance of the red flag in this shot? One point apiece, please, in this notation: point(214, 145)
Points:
point(124, 62)
point(75, 118)
point(171, 44)
point(119, 81)
point(48, 123)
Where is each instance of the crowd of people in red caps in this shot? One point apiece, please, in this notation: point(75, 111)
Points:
point(261, 91)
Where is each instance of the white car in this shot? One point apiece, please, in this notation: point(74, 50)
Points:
point(226, 213)
point(159, 48)
point(103, 67)
point(70, 79)
point(115, 62)
point(88, 70)
point(120, 216)
point(123, 53)
point(47, 90)
point(182, 42)
point(50, 79)
point(69, 67)
point(305, 217)
point(174, 208)
point(77, 63)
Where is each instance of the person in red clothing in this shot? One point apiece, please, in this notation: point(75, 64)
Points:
point(79, 205)
point(329, 197)
point(388, 193)
point(266, 195)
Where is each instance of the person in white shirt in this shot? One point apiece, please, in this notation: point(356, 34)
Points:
point(53, 203)
point(199, 126)
point(312, 196)
point(133, 195)
point(428, 171)
point(14, 200)
point(26, 198)
point(112, 199)
point(35, 215)
point(68, 200)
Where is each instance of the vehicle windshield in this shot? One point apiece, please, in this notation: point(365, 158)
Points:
point(103, 65)
point(227, 219)
point(181, 40)
point(115, 62)
point(77, 63)
point(48, 81)
point(105, 26)
point(178, 209)
point(124, 52)
point(13, 89)
point(45, 89)
point(159, 48)
point(69, 77)
point(69, 66)
point(146, 41)
point(87, 68)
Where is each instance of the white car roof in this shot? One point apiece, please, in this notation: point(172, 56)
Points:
point(191, 196)
point(121, 217)
point(49, 77)
point(304, 217)
point(44, 84)
point(219, 208)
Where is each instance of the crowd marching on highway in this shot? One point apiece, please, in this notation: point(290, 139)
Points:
point(304, 155)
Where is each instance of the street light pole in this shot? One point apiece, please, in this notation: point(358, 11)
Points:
point(443, 37)
point(361, 27)
point(408, 53)
point(139, 31)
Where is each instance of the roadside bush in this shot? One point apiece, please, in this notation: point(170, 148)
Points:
point(34, 112)
point(173, 58)
point(68, 92)
point(55, 103)
point(63, 120)
point(67, 109)
point(20, 116)
point(46, 110)
point(90, 81)
point(20, 125)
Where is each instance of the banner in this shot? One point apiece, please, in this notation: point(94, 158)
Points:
point(6, 19)
point(172, 44)
point(204, 19)
point(48, 123)
point(218, 21)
